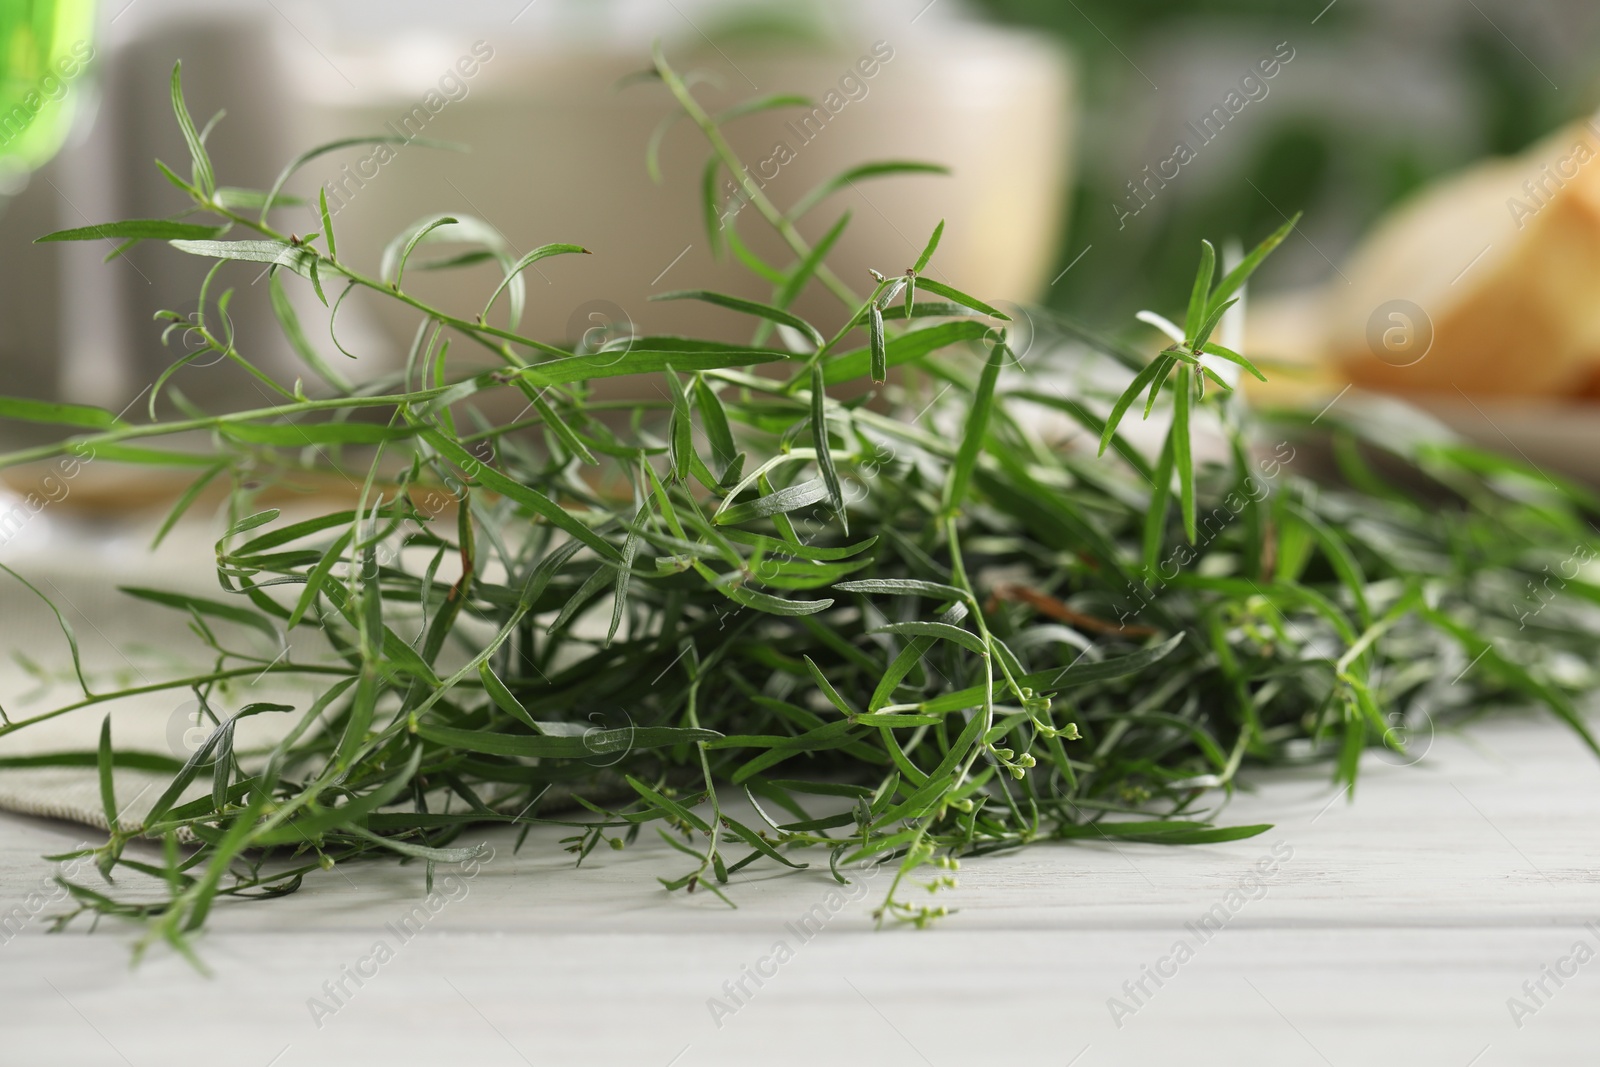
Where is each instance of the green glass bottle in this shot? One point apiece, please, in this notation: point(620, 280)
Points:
point(45, 48)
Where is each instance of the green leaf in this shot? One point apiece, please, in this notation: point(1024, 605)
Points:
point(278, 253)
point(624, 577)
point(274, 197)
point(755, 841)
point(773, 545)
point(203, 755)
point(421, 852)
point(671, 807)
point(773, 605)
point(200, 605)
point(928, 250)
point(709, 203)
point(783, 501)
point(880, 352)
point(902, 349)
point(741, 251)
point(413, 239)
point(905, 587)
point(820, 443)
point(861, 173)
point(204, 177)
point(526, 496)
point(149, 457)
point(637, 360)
point(714, 420)
point(503, 698)
point(1162, 832)
point(186, 500)
point(1155, 519)
point(135, 230)
point(976, 431)
point(61, 621)
point(956, 295)
point(289, 322)
point(917, 804)
point(1055, 681)
point(827, 687)
point(248, 523)
point(806, 269)
point(564, 740)
point(1210, 325)
point(327, 222)
point(1093, 423)
point(758, 104)
point(352, 813)
point(804, 574)
point(748, 307)
point(24, 410)
point(1141, 381)
point(1236, 277)
point(1202, 285)
point(1214, 349)
point(1170, 360)
point(241, 200)
point(309, 434)
point(542, 252)
point(1182, 457)
point(1487, 656)
point(135, 761)
point(108, 788)
point(369, 687)
point(940, 630)
point(222, 765)
point(652, 149)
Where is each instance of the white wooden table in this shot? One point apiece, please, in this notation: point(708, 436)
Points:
point(1397, 930)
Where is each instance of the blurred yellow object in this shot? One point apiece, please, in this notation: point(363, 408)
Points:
point(1487, 282)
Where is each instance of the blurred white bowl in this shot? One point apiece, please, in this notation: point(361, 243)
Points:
point(558, 154)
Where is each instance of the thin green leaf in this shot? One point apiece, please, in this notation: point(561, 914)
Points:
point(1202, 286)
point(748, 307)
point(880, 352)
point(823, 448)
point(135, 230)
point(289, 321)
point(415, 238)
point(860, 173)
point(44, 411)
point(1236, 277)
point(542, 252)
point(108, 787)
point(1182, 455)
point(1140, 383)
point(957, 296)
point(928, 250)
point(977, 428)
point(204, 176)
point(906, 348)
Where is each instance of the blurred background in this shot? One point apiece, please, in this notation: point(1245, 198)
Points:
point(1091, 144)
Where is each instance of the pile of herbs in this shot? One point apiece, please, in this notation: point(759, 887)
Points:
point(897, 624)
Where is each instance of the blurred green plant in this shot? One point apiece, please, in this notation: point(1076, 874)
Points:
point(44, 46)
point(1313, 161)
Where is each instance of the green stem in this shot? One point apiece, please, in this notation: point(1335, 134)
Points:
point(752, 191)
point(478, 331)
point(211, 422)
point(177, 683)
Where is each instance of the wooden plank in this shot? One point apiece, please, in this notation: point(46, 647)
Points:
point(1393, 930)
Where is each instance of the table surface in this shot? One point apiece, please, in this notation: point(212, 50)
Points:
point(1397, 928)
